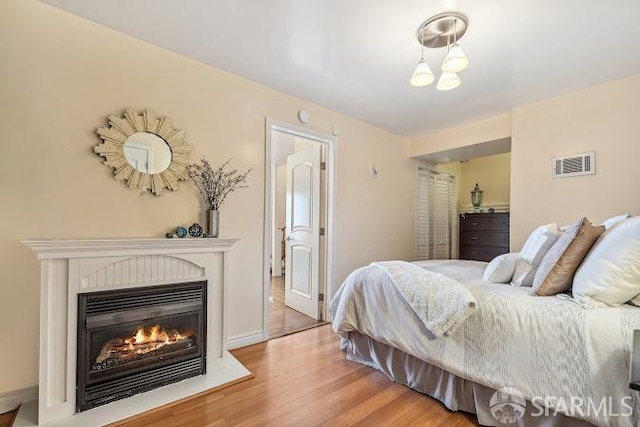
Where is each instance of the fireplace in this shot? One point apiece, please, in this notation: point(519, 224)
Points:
point(138, 269)
point(133, 340)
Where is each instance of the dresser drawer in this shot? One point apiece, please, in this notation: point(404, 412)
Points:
point(486, 238)
point(482, 253)
point(485, 223)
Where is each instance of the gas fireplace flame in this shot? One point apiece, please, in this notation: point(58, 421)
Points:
point(155, 337)
point(143, 342)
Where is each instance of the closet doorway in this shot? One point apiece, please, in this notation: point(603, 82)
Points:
point(298, 228)
point(436, 224)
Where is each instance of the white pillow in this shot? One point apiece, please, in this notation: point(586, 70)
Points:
point(523, 274)
point(539, 242)
point(534, 249)
point(610, 274)
point(554, 253)
point(608, 223)
point(501, 268)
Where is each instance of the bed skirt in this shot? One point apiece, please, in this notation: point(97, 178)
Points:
point(454, 392)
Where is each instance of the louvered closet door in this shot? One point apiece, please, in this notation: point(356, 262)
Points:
point(436, 215)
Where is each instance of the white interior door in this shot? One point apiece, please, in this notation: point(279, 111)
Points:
point(302, 233)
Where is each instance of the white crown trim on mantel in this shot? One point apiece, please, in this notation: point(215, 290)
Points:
point(87, 248)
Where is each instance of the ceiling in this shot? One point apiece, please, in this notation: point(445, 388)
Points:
point(356, 56)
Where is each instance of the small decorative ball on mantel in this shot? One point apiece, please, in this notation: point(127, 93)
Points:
point(181, 232)
point(195, 230)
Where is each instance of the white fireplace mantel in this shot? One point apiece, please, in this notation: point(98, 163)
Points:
point(70, 267)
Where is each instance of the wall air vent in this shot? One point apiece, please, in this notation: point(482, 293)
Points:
point(575, 165)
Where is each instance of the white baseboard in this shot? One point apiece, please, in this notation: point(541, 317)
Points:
point(11, 400)
point(244, 340)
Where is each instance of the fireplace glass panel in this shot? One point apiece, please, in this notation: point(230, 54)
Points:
point(134, 340)
point(131, 346)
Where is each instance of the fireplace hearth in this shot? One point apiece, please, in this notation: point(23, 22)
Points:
point(134, 340)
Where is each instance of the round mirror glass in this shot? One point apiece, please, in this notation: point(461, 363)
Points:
point(147, 152)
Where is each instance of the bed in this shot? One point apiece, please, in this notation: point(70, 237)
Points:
point(552, 350)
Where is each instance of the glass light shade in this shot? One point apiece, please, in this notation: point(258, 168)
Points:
point(422, 76)
point(448, 81)
point(455, 61)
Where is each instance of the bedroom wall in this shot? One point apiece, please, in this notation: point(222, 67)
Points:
point(493, 175)
point(490, 129)
point(61, 76)
point(604, 119)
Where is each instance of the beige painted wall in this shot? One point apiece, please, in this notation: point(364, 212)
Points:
point(490, 129)
point(61, 76)
point(604, 119)
point(492, 173)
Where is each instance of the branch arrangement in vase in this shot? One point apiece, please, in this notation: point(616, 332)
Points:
point(216, 184)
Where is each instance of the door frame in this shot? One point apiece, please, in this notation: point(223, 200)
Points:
point(330, 157)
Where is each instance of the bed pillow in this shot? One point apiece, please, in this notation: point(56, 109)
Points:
point(610, 222)
point(523, 274)
point(534, 249)
point(501, 268)
point(610, 275)
point(555, 252)
point(581, 239)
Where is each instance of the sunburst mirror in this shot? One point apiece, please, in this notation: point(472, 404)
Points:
point(145, 150)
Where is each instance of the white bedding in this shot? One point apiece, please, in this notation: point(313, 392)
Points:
point(543, 346)
point(441, 303)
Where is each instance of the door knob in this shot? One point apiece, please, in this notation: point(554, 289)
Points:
point(287, 238)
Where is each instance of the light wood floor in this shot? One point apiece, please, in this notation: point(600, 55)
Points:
point(6, 420)
point(282, 319)
point(304, 380)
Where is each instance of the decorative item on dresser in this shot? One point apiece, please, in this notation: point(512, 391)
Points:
point(484, 236)
point(476, 199)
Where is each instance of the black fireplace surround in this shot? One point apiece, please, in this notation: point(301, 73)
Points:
point(134, 340)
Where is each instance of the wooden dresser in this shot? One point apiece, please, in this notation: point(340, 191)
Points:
point(483, 236)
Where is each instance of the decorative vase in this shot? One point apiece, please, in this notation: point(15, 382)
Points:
point(213, 223)
point(476, 199)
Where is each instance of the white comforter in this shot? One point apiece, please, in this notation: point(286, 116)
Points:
point(441, 303)
point(545, 347)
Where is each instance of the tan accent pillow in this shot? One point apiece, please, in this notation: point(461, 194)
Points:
point(561, 275)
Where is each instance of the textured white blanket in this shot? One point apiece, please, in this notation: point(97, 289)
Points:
point(542, 346)
point(440, 302)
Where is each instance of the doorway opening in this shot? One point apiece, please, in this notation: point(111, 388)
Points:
point(436, 215)
point(298, 226)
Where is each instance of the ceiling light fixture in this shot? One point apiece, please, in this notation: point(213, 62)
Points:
point(436, 32)
point(456, 60)
point(448, 81)
point(422, 76)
